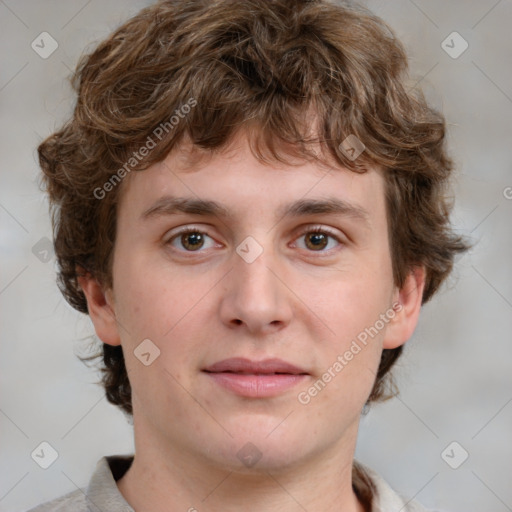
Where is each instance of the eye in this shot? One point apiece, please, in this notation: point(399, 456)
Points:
point(317, 239)
point(191, 240)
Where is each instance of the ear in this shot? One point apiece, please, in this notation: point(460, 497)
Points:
point(100, 306)
point(408, 300)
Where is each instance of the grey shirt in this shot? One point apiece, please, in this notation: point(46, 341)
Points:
point(102, 494)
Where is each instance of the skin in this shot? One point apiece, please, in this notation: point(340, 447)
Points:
point(298, 302)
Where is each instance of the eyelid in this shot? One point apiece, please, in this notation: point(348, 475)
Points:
point(189, 228)
point(321, 229)
point(186, 229)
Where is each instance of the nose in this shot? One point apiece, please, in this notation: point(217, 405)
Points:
point(255, 297)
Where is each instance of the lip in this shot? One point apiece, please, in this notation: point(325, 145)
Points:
point(265, 367)
point(255, 379)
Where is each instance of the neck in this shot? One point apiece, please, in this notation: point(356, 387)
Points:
point(178, 480)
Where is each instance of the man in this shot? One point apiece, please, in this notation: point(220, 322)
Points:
point(250, 206)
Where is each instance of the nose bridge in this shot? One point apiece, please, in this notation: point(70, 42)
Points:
point(255, 278)
point(254, 295)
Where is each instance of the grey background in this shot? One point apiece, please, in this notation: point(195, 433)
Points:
point(455, 378)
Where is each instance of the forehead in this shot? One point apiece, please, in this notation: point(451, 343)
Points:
point(226, 182)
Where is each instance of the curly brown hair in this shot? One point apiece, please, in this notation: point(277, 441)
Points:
point(260, 64)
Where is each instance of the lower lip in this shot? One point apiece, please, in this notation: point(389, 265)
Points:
point(256, 386)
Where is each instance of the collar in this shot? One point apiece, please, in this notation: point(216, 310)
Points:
point(102, 490)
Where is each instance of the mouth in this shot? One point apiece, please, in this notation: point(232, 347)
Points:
point(255, 379)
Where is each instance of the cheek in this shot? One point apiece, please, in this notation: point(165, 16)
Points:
point(150, 300)
point(350, 304)
point(165, 309)
point(351, 342)
point(346, 374)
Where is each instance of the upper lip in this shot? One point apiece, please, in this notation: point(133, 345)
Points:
point(242, 365)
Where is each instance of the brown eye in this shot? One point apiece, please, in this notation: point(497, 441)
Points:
point(319, 240)
point(316, 241)
point(192, 241)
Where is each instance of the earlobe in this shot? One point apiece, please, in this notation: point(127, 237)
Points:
point(100, 307)
point(409, 298)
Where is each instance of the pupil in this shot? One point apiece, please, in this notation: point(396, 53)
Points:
point(318, 240)
point(192, 240)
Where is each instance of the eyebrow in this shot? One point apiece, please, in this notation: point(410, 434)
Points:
point(169, 205)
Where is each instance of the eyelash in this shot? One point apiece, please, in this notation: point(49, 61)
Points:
point(309, 230)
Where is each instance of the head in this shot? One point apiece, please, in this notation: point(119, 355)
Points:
point(252, 105)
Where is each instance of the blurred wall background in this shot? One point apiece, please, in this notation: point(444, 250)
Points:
point(455, 378)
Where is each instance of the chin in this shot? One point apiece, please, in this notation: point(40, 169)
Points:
point(255, 459)
point(261, 450)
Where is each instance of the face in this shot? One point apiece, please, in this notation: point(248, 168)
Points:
point(242, 295)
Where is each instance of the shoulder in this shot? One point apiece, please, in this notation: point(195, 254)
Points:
point(384, 498)
point(73, 501)
point(100, 494)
